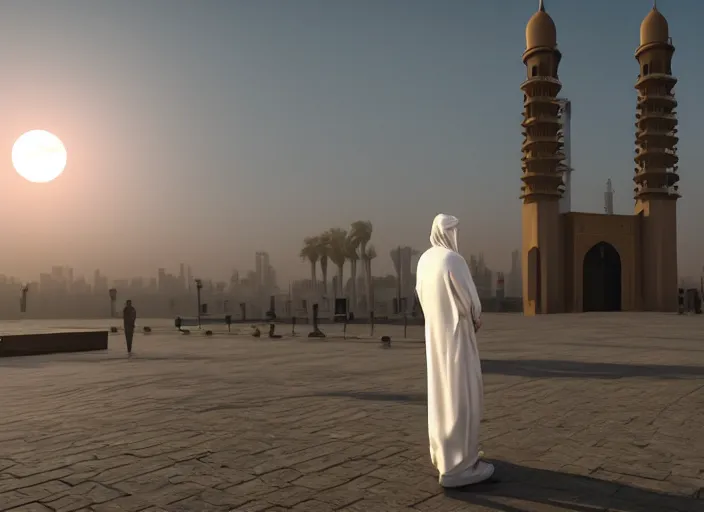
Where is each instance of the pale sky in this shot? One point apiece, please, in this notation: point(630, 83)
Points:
point(201, 131)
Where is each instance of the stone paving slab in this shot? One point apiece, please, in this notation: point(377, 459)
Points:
point(583, 413)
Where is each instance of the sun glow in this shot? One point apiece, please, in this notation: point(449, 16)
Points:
point(39, 156)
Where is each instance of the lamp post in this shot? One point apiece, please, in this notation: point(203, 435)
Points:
point(23, 300)
point(113, 298)
point(398, 282)
point(199, 286)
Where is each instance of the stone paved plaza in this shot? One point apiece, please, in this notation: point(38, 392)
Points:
point(583, 413)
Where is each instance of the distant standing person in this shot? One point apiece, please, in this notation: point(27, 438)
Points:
point(452, 312)
point(129, 317)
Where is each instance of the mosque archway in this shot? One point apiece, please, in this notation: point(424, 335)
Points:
point(601, 279)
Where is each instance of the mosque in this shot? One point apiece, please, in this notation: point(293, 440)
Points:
point(576, 262)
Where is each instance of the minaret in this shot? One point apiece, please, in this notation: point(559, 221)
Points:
point(542, 168)
point(656, 163)
point(609, 198)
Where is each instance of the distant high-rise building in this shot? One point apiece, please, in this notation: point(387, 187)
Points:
point(266, 270)
point(514, 280)
point(161, 280)
point(271, 279)
point(264, 280)
point(182, 275)
point(100, 283)
point(258, 269)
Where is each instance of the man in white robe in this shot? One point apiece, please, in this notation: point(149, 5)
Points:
point(452, 311)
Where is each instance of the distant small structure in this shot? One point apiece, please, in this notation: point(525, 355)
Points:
point(609, 198)
point(500, 286)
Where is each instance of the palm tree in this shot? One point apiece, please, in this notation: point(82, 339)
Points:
point(310, 252)
point(324, 254)
point(353, 255)
point(369, 255)
point(361, 233)
point(338, 255)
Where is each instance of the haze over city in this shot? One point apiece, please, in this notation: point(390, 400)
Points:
point(231, 277)
point(204, 132)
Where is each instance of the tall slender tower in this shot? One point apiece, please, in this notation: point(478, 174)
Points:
point(609, 198)
point(656, 163)
point(542, 168)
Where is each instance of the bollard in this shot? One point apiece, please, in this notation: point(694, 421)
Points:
point(405, 325)
point(272, 331)
point(344, 329)
point(316, 333)
point(371, 322)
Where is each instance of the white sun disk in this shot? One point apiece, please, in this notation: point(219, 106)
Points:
point(39, 156)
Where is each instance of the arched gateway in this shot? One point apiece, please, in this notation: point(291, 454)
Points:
point(601, 285)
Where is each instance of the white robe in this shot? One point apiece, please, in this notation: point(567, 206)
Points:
point(451, 307)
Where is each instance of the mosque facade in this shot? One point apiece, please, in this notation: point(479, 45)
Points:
point(575, 262)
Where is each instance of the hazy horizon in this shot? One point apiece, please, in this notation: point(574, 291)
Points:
point(202, 132)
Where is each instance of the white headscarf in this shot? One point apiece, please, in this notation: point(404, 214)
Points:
point(444, 232)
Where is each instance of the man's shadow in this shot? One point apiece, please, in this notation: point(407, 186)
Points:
point(519, 488)
point(542, 369)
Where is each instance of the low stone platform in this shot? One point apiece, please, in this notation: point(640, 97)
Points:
point(595, 412)
point(32, 344)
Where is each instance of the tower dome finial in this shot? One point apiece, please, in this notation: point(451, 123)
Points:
point(540, 30)
point(654, 27)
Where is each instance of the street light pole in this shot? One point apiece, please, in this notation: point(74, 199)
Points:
point(199, 285)
point(23, 300)
point(112, 292)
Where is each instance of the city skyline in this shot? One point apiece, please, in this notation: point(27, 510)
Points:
point(219, 153)
point(61, 293)
point(187, 276)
